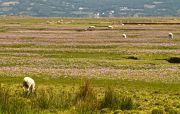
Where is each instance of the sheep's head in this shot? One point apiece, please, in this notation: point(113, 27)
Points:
point(25, 84)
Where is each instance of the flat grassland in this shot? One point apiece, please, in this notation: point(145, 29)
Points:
point(61, 55)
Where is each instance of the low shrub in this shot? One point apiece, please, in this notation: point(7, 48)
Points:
point(174, 60)
point(133, 57)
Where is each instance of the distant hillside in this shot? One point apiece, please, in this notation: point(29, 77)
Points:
point(90, 8)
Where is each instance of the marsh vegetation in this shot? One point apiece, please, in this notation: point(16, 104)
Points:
point(99, 71)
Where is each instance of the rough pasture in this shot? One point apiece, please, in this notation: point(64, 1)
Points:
point(63, 54)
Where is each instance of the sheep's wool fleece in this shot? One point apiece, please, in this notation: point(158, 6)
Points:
point(29, 80)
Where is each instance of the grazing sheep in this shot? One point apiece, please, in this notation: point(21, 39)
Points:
point(110, 27)
point(124, 35)
point(91, 28)
point(48, 22)
point(59, 22)
point(28, 84)
point(171, 36)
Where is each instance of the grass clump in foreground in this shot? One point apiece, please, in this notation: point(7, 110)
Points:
point(85, 100)
point(114, 101)
point(12, 102)
point(15, 101)
point(52, 100)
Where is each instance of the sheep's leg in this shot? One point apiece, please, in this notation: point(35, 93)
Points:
point(33, 87)
point(24, 88)
point(28, 88)
point(28, 92)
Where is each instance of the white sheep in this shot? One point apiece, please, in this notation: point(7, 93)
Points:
point(171, 36)
point(48, 22)
point(91, 28)
point(28, 84)
point(124, 35)
point(110, 27)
